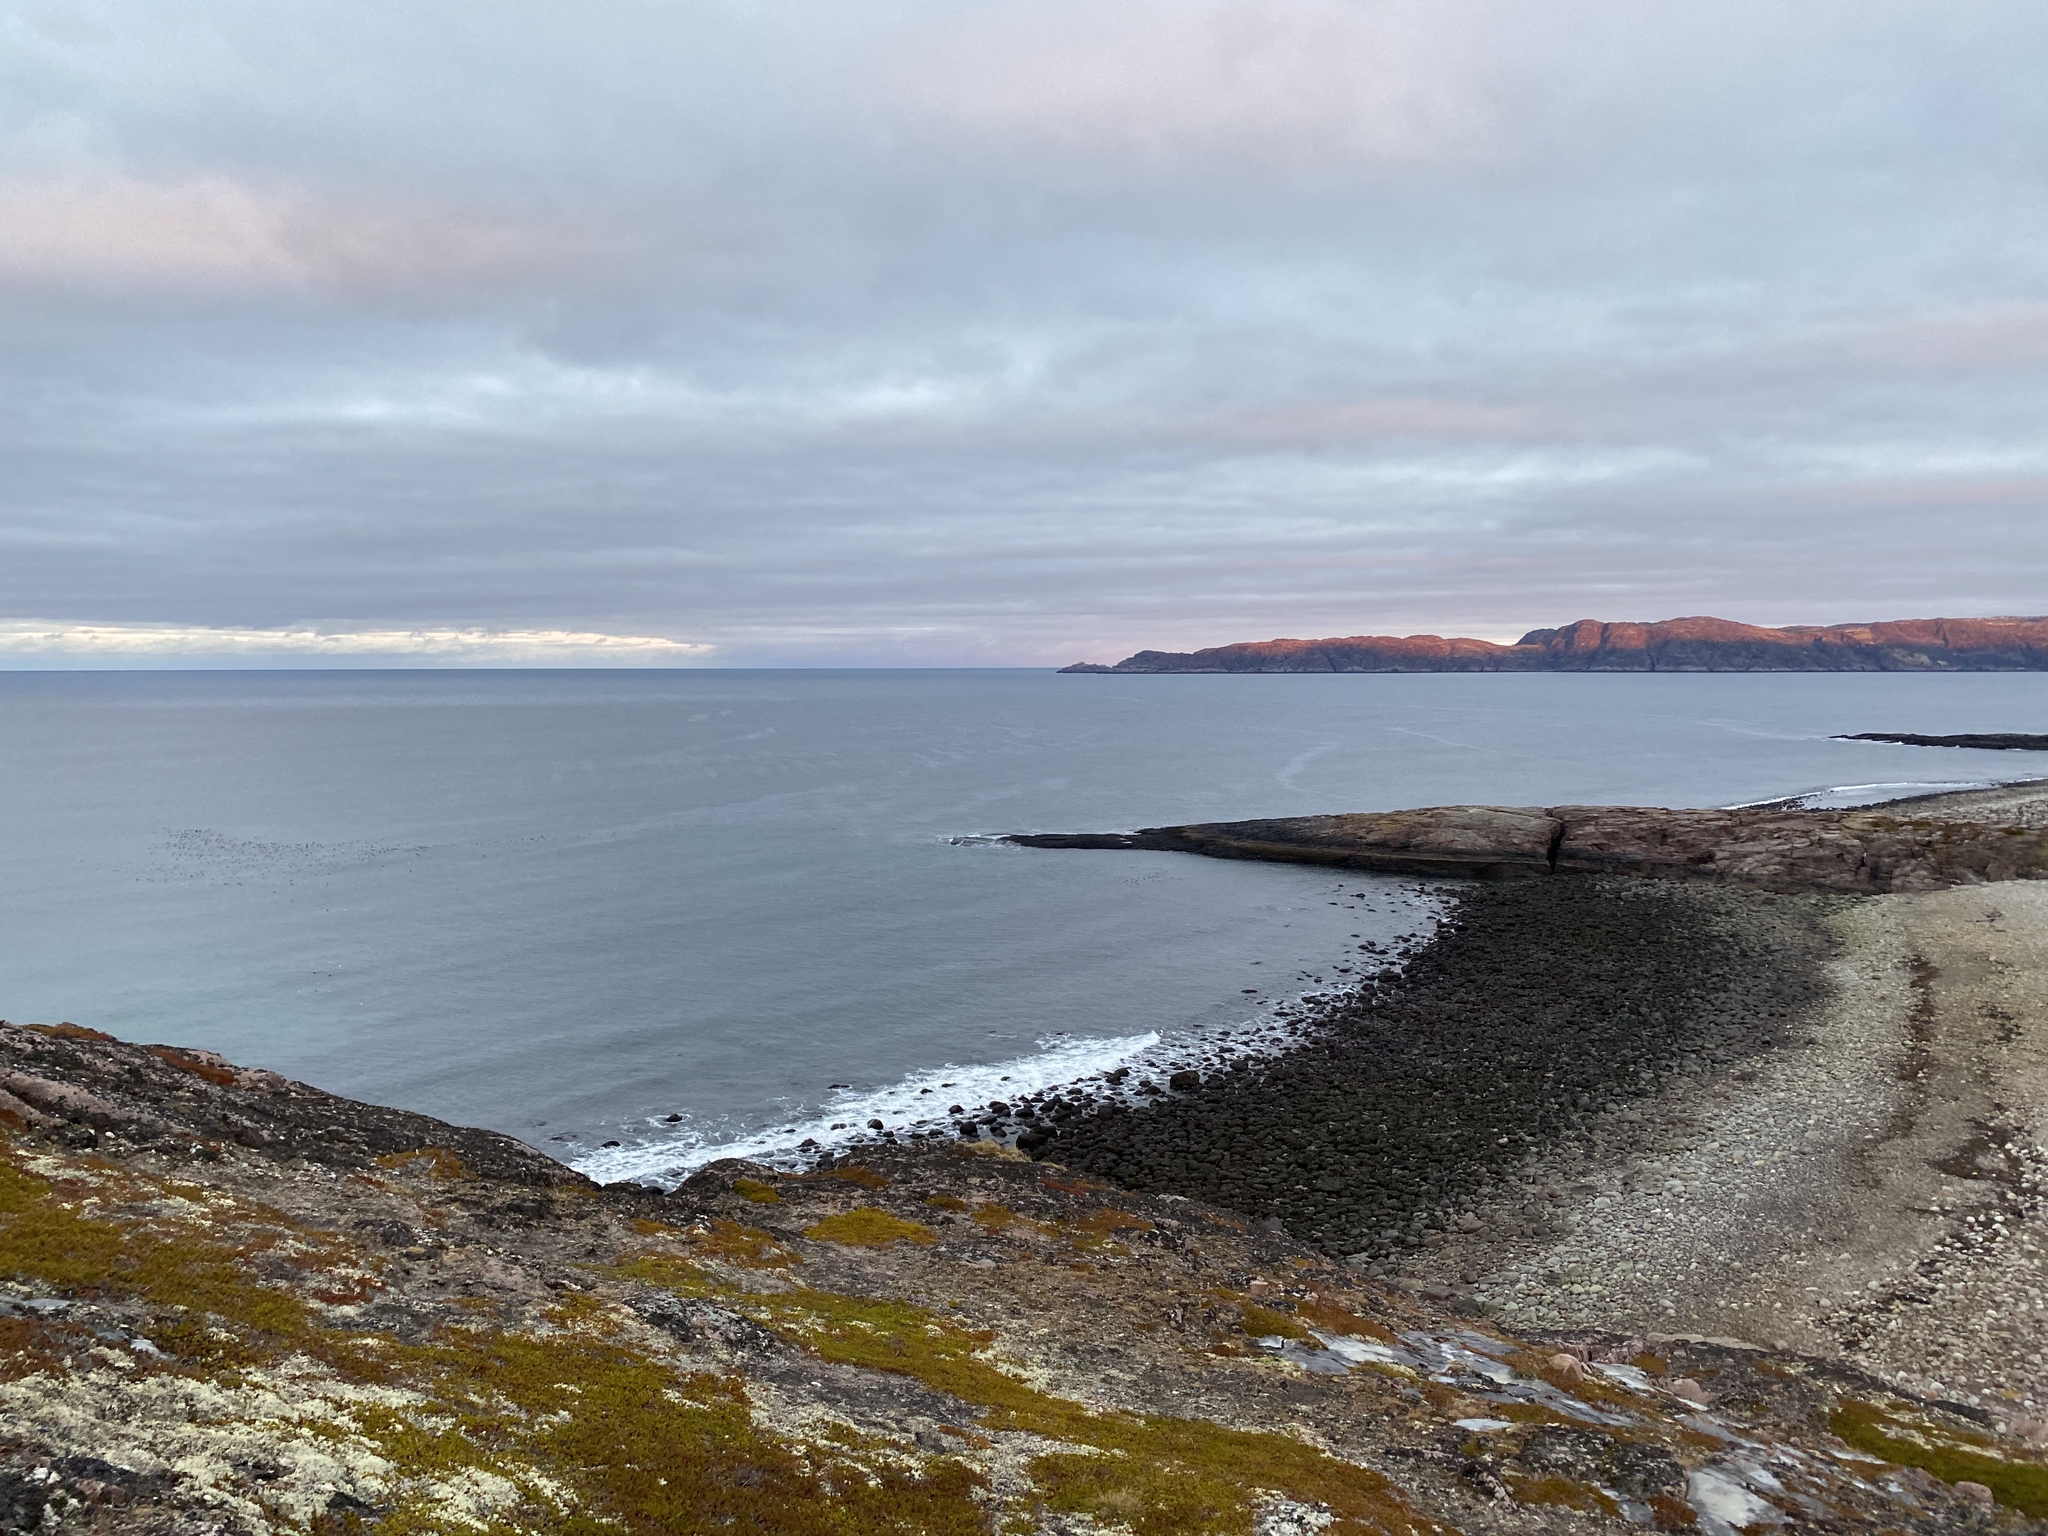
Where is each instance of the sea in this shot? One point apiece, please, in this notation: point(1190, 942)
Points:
point(645, 919)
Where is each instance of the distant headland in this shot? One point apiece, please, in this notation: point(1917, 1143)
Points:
point(1672, 645)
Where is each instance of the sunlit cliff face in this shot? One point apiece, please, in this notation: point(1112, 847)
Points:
point(1015, 333)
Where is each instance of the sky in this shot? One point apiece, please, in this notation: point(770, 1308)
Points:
point(984, 332)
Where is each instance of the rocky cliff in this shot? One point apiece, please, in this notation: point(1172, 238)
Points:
point(1672, 645)
point(232, 1303)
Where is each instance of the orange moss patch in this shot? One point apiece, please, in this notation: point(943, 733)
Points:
point(27, 1349)
point(212, 1072)
point(1070, 1186)
point(1331, 1318)
point(1671, 1514)
point(72, 1032)
point(867, 1227)
point(434, 1162)
point(945, 1202)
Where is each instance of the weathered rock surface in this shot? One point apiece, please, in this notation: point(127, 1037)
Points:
point(1672, 645)
point(1993, 741)
point(1863, 852)
point(204, 1333)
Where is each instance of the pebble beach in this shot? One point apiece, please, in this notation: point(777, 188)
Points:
point(1797, 1122)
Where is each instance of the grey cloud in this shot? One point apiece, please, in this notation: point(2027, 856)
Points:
point(1011, 333)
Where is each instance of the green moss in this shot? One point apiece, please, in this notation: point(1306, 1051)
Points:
point(1559, 1493)
point(867, 1227)
point(725, 1241)
point(1097, 1231)
point(598, 1436)
point(604, 1439)
point(45, 1239)
point(757, 1191)
point(995, 1218)
point(1265, 1323)
point(1147, 1462)
point(945, 1202)
point(1151, 1498)
point(2018, 1485)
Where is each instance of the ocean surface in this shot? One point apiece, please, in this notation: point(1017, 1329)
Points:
point(695, 911)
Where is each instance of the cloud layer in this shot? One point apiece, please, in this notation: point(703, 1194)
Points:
point(999, 333)
point(30, 642)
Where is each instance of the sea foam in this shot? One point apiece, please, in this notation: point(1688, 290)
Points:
point(919, 1102)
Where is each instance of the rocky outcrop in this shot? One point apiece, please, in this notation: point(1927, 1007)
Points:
point(1870, 852)
point(201, 1334)
point(1672, 645)
point(1994, 741)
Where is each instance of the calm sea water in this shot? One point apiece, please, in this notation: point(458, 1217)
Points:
point(570, 905)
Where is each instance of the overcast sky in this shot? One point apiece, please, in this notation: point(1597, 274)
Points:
point(1009, 331)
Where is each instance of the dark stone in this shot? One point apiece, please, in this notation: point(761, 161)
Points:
point(1996, 741)
point(1185, 1081)
point(1533, 994)
point(1587, 1456)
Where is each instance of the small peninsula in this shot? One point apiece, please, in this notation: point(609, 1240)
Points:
point(1672, 645)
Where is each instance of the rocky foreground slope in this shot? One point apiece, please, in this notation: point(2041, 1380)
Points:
point(1672, 645)
point(234, 1303)
point(1674, 1206)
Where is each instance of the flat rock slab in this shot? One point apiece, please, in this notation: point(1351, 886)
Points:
point(1995, 741)
point(1864, 852)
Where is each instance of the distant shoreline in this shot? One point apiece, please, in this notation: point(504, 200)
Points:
point(1671, 645)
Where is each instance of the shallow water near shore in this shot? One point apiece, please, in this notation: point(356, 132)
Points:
point(572, 905)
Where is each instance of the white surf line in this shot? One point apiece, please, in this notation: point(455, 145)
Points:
point(923, 1103)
